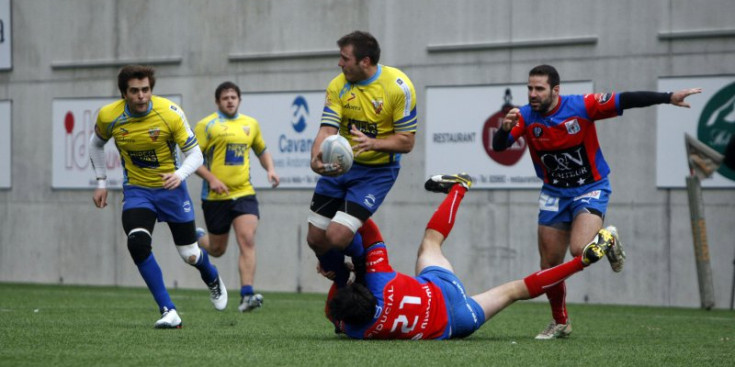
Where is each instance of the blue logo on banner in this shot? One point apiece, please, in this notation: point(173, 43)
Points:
point(300, 113)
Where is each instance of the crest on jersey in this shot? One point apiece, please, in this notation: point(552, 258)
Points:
point(602, 98)
point(377, 105)
point(124, 131)
point(572, 126)
point(537, 131)
point(154, 133)
point(246, 130)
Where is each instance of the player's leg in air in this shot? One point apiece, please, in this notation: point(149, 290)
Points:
point(500, 297)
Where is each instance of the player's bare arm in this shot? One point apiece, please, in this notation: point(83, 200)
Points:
point(214, 183)
point(266, 161)
point(396, 143)
point(317, 165)
point(677, 98)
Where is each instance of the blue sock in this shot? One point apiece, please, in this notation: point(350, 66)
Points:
point(206, 269)
point(355, 249)
point(153, 277)
point(246, 290)
point(334, 261)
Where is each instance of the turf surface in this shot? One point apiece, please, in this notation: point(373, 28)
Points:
point(49, 325)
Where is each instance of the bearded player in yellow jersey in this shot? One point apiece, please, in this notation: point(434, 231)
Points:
point(146, 130)
point(228, 197)
point(374, 107)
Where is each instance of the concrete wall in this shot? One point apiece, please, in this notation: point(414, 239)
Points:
point(57, 236)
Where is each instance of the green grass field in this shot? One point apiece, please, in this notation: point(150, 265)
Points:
point(106, 326)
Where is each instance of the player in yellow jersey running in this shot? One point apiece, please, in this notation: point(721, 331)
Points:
point(146, 130)
point(228, 197)
point(374, 107)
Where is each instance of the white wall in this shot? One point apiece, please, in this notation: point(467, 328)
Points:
point(52, 236)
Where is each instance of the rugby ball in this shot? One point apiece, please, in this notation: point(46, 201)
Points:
point(336, 149)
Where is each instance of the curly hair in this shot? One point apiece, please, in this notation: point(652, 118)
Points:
point(353, 304)
point(134, 72)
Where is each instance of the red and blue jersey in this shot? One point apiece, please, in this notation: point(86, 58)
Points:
point(407, 307)
point(563, 142)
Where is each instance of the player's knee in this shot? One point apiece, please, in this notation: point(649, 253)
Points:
point(216, 251)
point(189, 253)
point(139, 244)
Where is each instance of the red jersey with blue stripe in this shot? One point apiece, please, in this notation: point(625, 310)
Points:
point(407, 308)
point(563, 142)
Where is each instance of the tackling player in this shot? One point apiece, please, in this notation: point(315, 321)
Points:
point(434, 304)
point(146, 130)
point(374, 107)
point(562, 139)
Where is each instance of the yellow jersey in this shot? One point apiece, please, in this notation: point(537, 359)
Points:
point(146, 142)
point(225, 143)
point(378, 107)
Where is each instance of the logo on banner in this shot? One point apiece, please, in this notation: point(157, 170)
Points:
point(514, 153)
point(717, 123)
point(300, 113)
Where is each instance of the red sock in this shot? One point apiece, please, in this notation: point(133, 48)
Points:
point(551, 282)
point(444, 216)
point(370, 233)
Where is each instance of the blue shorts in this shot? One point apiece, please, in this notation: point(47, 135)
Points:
point(559, 207)
point(465, 314)
point(172, 206)
point(366, 186)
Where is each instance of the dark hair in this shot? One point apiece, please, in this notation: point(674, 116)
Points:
point(548, 71)
point(134, 72)
point(363, 45)
point(353, 304)
point(225, 86)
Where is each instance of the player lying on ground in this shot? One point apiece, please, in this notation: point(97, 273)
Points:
point(434, 305)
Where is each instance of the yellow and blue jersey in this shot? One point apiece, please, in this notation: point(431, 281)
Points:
point(225, 143)
point(146, 142)
point(380, 106)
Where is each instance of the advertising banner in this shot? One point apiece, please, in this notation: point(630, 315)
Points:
point(289, 122)
point(711, 119)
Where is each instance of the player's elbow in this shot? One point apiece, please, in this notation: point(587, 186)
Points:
point(407, 143)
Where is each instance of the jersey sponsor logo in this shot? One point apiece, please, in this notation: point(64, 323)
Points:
point(144, 158)
point(567, 168)
point(368, 128)
point(235, 154)
point(590, 195)
point(352, 96)
point(154, 133)
point(603, 98)
point(377, 105)
point(369, 200)
point(572, 126)
point(548, 203)
point(173, 108)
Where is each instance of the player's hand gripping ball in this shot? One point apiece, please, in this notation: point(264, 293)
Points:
point(336, 149)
